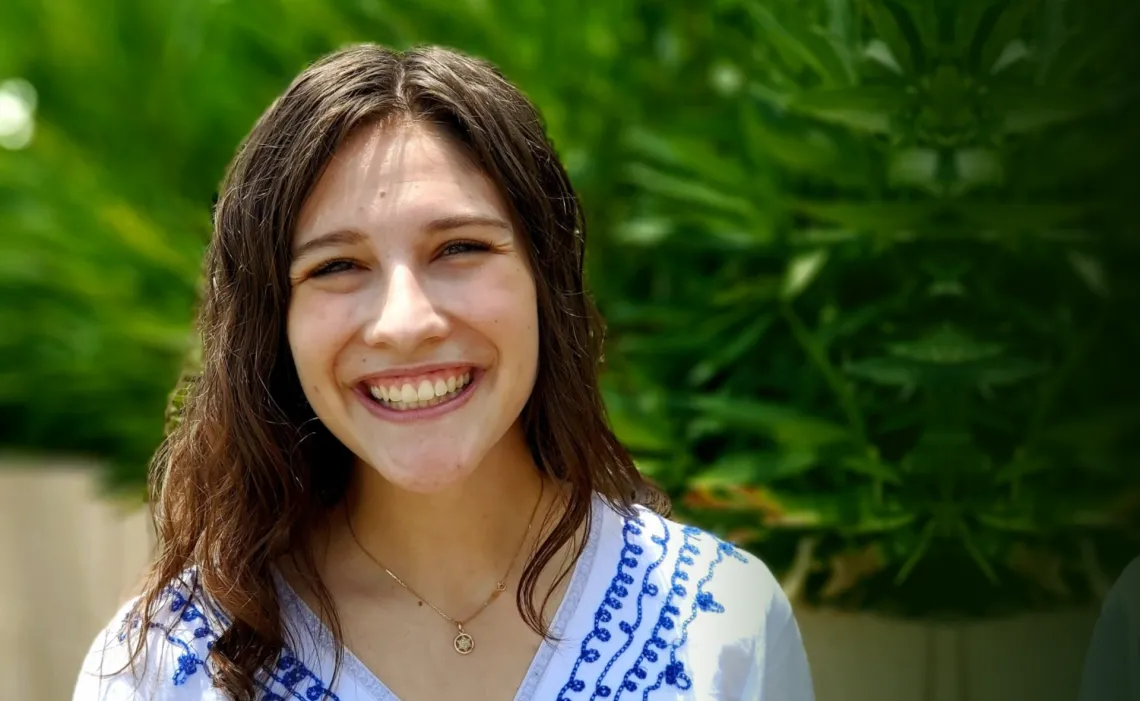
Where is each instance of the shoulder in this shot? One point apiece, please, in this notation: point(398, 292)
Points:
point(1112, 661)
point(714, 575)
point(693, 611)
point(1124, 595)
point(173, 650)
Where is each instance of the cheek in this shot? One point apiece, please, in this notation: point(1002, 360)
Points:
point(505, 308)
point(316, 327)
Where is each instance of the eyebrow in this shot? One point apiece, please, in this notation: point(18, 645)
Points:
point(344, 237)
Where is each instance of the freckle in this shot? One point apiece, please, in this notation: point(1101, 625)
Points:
point(383, 194)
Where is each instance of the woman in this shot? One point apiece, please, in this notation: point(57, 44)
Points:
point(1112, 662)
point(397, 429)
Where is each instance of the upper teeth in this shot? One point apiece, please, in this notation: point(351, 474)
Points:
point(425, 391)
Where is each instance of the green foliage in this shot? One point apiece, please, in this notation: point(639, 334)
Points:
point(864, 263)
point(895, 278)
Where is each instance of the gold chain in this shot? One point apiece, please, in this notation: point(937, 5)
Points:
point(464, 644)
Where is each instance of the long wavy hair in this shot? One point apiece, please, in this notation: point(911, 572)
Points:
point(248, 471)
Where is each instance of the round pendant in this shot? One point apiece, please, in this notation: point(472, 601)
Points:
point(464, 643)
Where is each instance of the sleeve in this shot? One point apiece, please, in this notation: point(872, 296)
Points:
point(105, 674)
point(780, 669)
point(170, 666)
point(1112, 662)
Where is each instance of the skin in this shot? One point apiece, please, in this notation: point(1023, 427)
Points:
point(406, 254)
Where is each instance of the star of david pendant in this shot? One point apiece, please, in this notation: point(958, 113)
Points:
point(464, 643)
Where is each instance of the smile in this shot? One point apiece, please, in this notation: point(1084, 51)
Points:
point(419, 396)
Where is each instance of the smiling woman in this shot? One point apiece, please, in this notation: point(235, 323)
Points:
point(398, 424)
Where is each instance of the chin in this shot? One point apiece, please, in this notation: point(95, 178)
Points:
point(424, 473)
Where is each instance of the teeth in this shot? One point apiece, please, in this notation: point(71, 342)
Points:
point(405, 397)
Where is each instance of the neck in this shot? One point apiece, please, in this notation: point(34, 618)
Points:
point(454, 545)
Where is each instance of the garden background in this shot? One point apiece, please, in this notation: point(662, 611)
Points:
point(867, 267)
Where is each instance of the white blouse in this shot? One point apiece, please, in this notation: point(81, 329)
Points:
point(654, 610)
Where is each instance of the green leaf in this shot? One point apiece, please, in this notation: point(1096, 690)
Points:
point(638, 429)
point(1008, 371)
point(884, 371)
point(871, 466)
point(688, 154)
point(1007, 28)
point(1012, 521)
point(946, 346)
point(1029, 109)
point(975, 167)
point(854, 512)
point(1091, 271)
point(917, 553)
point(730, 352)
point(690, 191)
point(804, 148)
point(867, 108)
point(784, 424)
point(878, 51)
point(799, 44)
point(924, 15)
point(873, 216)
point(887, 27)
point(755, 468)
point(801, 270)
point(976, 553)
point(915, 166)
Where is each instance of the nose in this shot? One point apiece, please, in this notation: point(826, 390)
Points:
point(408, 318)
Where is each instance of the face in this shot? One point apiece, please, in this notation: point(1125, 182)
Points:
point(413, 320)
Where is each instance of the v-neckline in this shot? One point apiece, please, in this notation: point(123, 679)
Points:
point(297, 610)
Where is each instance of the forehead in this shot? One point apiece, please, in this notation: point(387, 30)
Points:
point(395, 178)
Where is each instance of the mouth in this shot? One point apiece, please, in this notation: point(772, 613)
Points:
point(422, 396)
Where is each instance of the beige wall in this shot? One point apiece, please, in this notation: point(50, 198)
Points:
point(68, 558)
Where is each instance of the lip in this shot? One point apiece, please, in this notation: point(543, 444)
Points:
point(426, 413)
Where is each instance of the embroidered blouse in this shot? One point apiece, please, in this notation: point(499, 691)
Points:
point(654, 610)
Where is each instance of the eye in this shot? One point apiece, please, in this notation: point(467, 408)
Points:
point(460, 247)
point(332, 267)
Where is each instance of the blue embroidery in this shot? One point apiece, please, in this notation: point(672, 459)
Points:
point(668, 619)
point(617, 590)
point(289, 672)
point(647, 589)
point(674, 673)
point(294, 672)
point(665, 621)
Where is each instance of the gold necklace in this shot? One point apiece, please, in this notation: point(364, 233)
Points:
point(464, 644)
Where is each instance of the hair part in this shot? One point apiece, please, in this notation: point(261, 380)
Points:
point(249, 471)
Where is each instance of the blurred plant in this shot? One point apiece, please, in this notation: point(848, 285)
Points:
point(880, 322)
point(864, 263)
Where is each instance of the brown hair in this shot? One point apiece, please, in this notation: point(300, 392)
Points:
point(249, 471)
